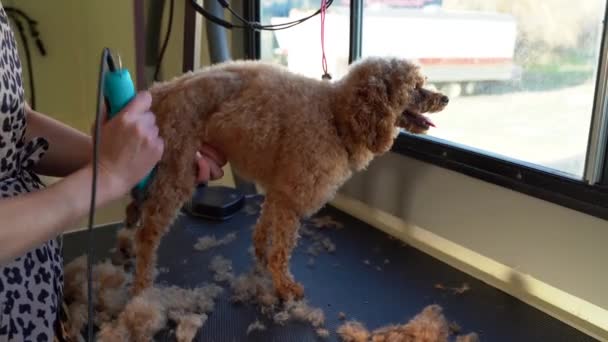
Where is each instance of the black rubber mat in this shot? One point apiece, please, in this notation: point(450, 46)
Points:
point(370, 277)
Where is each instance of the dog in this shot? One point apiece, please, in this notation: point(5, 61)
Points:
point(299, 138)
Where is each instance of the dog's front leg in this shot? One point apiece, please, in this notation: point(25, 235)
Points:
point(282, 224)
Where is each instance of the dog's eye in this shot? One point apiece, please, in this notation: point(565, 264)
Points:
point(422, 93)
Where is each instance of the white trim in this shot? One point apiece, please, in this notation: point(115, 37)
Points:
point(597, 132)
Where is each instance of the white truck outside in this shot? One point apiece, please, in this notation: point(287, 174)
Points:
point(458, 50)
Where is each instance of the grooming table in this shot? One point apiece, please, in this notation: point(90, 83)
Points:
point(370, 277)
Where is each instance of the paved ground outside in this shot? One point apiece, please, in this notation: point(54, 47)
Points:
point(550, 127)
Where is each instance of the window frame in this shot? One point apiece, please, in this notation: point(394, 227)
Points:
point(588, 195)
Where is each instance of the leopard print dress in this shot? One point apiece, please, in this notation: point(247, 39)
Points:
point(30, 285)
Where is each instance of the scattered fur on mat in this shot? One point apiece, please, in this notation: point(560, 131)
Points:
point(323, 244)
point(353, 332)
point(121, 318)
point(326, 222)
point(110, 286)
point(251, 209)
point(319, 243)
point(187, 325)
point(255, 326)
point(208, 242)
point(472, 337)
point(302, 312)
point(455, 290)
point(322, 332)
point(148, 313)
point(255, 287)
point(429, 325)
point(222, 269)
point(257, 114)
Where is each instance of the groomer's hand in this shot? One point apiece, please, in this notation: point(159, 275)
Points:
point(130, 146)
point(209, 162)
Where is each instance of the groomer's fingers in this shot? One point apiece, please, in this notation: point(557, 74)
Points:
point(216, 171)
point(212, 153)
point(203, 169)
point(140, 104)
point(148, 120)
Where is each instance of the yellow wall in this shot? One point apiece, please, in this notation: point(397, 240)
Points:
point(74, 33)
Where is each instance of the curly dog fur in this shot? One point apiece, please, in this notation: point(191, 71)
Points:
point(297, 137)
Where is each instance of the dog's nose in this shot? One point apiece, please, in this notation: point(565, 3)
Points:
point(445, 99)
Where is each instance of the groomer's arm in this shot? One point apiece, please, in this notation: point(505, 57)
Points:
point(69, 149)
point(130, 148)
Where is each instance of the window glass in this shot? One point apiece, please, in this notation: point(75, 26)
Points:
point(299, 47)
point(520, 73)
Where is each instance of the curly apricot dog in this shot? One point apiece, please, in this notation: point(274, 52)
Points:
point(299, 138)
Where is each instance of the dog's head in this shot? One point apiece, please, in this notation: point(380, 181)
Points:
point(406, 95)
point(387, 94)
point(421, 101)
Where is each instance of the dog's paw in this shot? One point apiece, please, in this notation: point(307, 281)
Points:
point(291, 291)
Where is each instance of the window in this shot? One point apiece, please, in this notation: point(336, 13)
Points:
point(521, 74)
point(527, 82)
point(299, 47)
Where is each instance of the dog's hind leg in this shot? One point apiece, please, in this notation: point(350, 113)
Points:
point(173, 185)
point(261, 235)
point(282, 222)
point(157, 216)
point(124, 250)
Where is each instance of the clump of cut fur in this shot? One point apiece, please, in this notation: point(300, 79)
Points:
point(472, 337)
point(148, 313)
point(319, 243)
point(255, 287)
point(187, 325)
point(322, 332)
point(110, 288)
point(222, 269)
point(326, 222)
point(429, 325)
point(208, 242)
point(353, 331)
point(255, 326)
point(138, 322)
point(123, 319)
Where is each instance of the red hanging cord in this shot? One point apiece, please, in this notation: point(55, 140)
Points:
point(326, 75)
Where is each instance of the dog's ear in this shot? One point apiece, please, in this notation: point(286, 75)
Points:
point(374, 115)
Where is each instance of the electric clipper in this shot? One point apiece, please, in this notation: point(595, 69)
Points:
point(119, 90)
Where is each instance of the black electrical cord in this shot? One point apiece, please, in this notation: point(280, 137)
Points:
point(106, 62)
point(165, 42)
point(246, 24)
